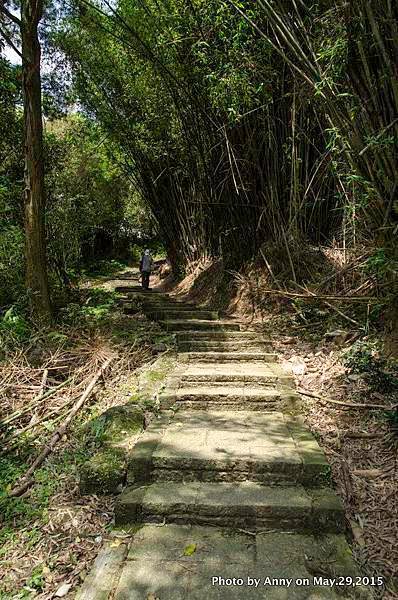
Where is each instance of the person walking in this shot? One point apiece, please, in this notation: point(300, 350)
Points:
point(146, 264)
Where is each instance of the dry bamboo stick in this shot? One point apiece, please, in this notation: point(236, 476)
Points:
point(332, 307)
point(347, 404)
point(37, 399)
point(26, 481)
point(313, 296)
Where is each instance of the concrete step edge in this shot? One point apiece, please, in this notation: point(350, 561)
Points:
point(223, 503)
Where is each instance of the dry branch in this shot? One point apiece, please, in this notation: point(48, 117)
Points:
point(312, 296)
point(347, 404)
point(339, 312)
point(41, 396)
point(27, 479)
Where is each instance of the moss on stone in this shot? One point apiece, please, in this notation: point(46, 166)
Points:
point(103, 473)
point(119, 422)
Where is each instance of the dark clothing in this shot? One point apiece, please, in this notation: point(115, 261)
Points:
point(146, 264)
point(145, 279)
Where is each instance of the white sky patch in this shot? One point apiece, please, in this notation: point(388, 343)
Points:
point(11, 55)
point(7, 51)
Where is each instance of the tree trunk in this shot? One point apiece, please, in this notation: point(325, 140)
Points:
point(35, 201)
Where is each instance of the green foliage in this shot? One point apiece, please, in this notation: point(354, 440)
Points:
point(95, 306)
point(36, 580)
point(380, 263)
point(11, 264)
point(88, 197)
point(367, 359)
point(93, 211)
point(14, 330)
point(104, 268)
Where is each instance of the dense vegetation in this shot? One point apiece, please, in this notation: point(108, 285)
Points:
point(92, 213)
point(234, 128)
point(256, 143)
point(244, 125)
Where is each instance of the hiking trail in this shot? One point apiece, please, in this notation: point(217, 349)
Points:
point(228, 493)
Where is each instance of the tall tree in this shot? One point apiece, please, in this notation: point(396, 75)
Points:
point(34, 194)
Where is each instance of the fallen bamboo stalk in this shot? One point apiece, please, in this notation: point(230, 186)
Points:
point(347, 404)
point(339, 312)
point(35, 400)
point(32, 425)
point(312, 296)
point(27, 480)
point(359, 435)
point(43, 384)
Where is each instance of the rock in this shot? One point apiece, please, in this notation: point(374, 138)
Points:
point(297, 366)
point(118, 423)
point(63, 590)
point(339, 336)
point(354, 377)
point(157, 348)
point(103, 473)
point(288, 340)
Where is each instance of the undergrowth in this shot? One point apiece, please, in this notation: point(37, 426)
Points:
point(367, 358)
point(90, 323)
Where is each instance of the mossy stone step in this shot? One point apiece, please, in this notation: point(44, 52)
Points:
point(225, 504)
point(159, 305)
point(248, 374)
point(220, 336)
point(193, 324)
point(159, 302)
point(222, 346)
point(232, 396)
point(226, 565)
point(228, 446)
point(228, 357)
point(137, 289)
point(176, 314)
point(166, 307)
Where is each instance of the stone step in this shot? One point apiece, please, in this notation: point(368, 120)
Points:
point(223, 445)
point(227, 564)
point(176, 315)
point(189, 325)
point(221, 336)
point(225, 504)
point(222, 346)
point(263, 374)
point(137, 289)
point(158, 300)
point(226, 357)
point(158, 305)
point(235, 397)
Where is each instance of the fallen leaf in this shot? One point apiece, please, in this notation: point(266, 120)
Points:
point(370, 473)
point(63, 590)
point(115, 544)
point(357, 533)
point(189, 550)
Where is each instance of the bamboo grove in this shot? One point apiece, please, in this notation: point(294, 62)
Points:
point(244, 123)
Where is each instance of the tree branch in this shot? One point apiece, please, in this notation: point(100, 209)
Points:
point(8, 14)
point(10, 42)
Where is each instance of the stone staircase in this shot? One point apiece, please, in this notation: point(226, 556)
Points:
point(231, 450)
point(229, 456)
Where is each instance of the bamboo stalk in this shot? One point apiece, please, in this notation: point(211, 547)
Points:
point(41, 396)
point(347, 404)
point(26, 481)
